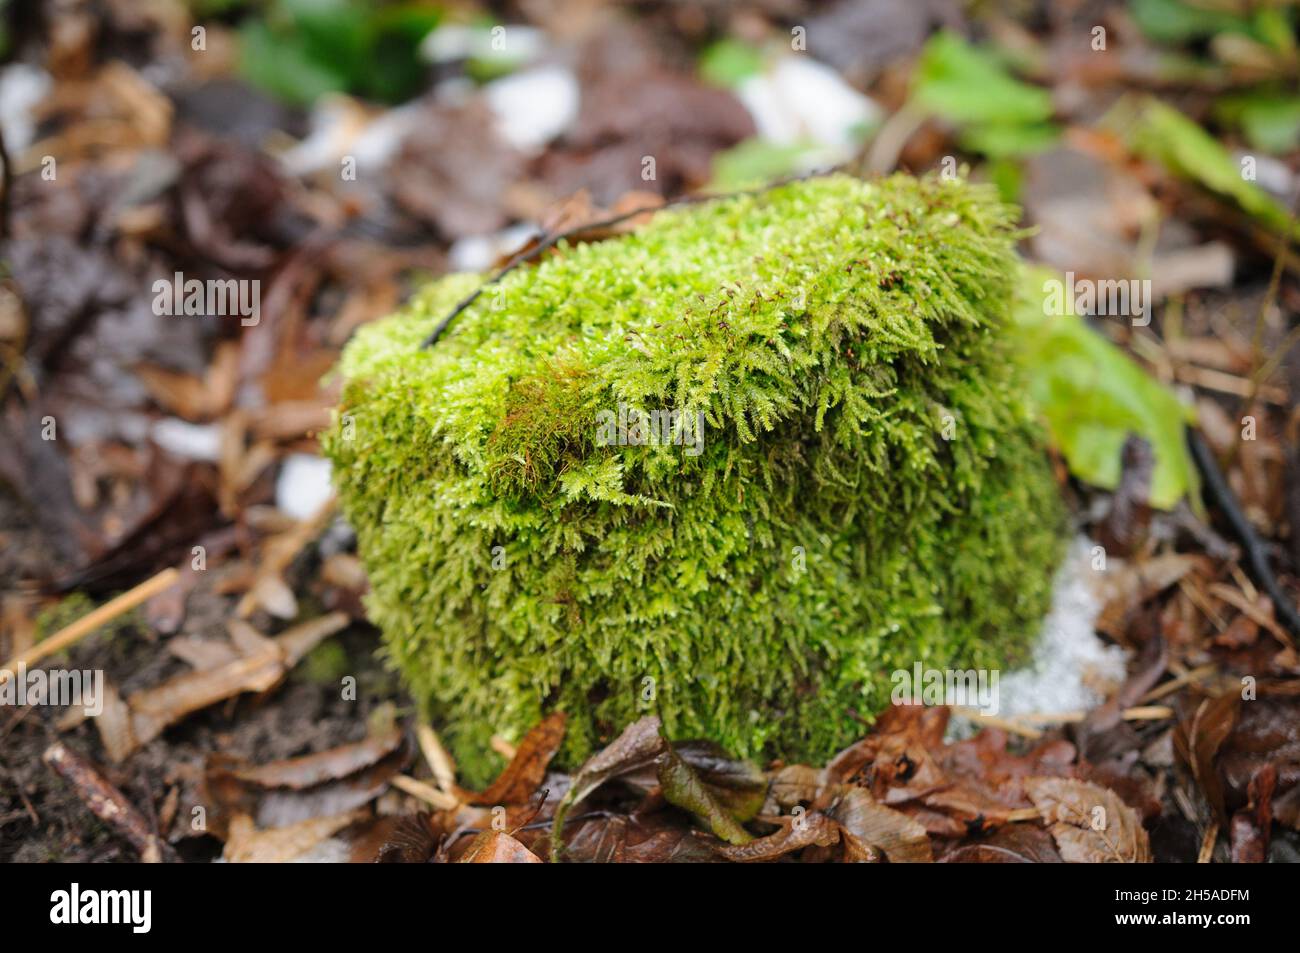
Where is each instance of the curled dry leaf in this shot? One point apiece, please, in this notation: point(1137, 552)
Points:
point(796, 833)
point(1090, 823)
point(638, 745)
point(525, 772)
point(283, 793)
point(1251, 825)
point(683, 787)
point(1198, 738)
point(1123, 587)
point(871, 824)
point(153, 709)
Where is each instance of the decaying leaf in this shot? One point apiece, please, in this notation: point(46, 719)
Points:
point(872, 824)
point(524, 773)
point(638, 745)
point(683, 787)
point(796, 833)
point(246, 844)
point(1090, 823)
point(498, 847)
point(283, 793)
point(1013, 844)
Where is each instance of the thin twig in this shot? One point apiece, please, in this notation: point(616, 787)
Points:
point(1256, 555)
point(107, 802)
point(6, 183)
point(90, 622)
point(550, 241)
point(424, 792)
point(1023, 723)
point(444, 771)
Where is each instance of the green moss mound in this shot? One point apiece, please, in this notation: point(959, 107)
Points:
point(869, 490)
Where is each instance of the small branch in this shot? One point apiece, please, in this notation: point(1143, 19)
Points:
point(425, 792)
point(444, 772)
point(1022, 724)
point(90, 622)
point(550, 241)
point(6, 184)
point(1216, 487)
point(107, 803)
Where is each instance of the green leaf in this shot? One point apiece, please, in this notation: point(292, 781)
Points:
point(755, 161)
point(1163, 134)
point(1000, 116)
point(998, 141)
point(1170, 21)
point(729, 62)
point(683, 787)
point(1270, 121)
point(304, 48)
point(967, 85)
point(1092, 396)
point(283, 66)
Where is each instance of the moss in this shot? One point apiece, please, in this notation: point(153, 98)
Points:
point(73, 607)
point(326, 664)
point(869, 491)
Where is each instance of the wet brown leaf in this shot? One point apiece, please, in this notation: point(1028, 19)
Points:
point(498, 847)
point(524, 774)
point(1090, 823)
point(684, 788)
point(796, 833)
point(1013, 844)
point(870, 823)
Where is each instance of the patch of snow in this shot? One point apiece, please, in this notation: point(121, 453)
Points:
point(21, 88)
point(799, 100)
point(190, 441)
point(535, 106)
point(479, 252)
point(501, 43)
point(303, 485)
point(341, 126)
point(1069, 659)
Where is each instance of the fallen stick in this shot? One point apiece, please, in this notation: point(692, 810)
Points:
point(434, 753)
point(425, 792)
point(107, 803)
point(1218, 492)
point(1168, 688)
point(90, 622)
point(1023, 722)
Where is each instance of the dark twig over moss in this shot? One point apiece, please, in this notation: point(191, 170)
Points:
point(547, 242)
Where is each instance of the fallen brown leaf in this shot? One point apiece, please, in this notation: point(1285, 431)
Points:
point(872, 824)
point(1089, 823)
point(524, 774)
point(498, 847)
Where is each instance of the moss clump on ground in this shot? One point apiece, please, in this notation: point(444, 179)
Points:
point(869, 490)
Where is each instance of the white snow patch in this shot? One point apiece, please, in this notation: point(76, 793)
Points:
point(535, 106)
point(800, 100)
point(184, 439)
point(22, 87)
point(500, 43)
point(1070, 660)
point(303, 485)
point(480, 252)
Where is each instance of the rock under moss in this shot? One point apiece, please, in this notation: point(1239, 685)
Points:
point(868, 491)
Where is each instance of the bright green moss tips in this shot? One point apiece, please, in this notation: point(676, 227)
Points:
point(847, 481)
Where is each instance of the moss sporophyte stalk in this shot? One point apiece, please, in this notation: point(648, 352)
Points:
point(735, 467)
